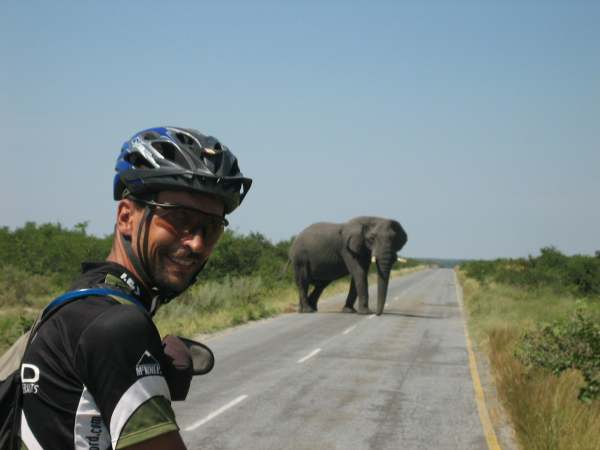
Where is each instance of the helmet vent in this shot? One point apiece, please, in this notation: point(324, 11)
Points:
point(213, 161)
point(138, 161)
point(150, 135)
point(165, 149)
point(184, 139)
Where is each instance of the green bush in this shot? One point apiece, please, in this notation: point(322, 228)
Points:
point(51, 250)
point(12, 327)
point(563, 345)
point(241, 256)
point(578, 275)
point(21, 288)
point(482, 271)
point(583, 273)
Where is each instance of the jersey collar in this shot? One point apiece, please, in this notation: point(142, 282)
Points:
point(114, 275)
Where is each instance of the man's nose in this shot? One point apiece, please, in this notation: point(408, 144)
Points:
point(195, 241)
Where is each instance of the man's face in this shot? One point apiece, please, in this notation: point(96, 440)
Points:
point(180, 240)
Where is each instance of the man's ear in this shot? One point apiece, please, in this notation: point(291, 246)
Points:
point(125, 217)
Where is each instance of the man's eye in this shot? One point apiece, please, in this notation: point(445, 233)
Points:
point(179, 217)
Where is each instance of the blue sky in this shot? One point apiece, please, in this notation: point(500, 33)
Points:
point(475, 124)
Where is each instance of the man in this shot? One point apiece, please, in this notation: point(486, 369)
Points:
point(96, 375)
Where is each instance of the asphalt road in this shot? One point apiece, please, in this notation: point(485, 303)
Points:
point(343, 381)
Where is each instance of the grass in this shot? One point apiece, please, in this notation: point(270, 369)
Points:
point(213, 306)
point(544, 408)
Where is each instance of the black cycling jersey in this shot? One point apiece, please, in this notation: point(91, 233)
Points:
point(92, 375)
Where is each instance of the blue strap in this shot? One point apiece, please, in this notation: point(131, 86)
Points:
point(102, 292)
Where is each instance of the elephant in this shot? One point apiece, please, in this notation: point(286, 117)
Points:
point(325, 251)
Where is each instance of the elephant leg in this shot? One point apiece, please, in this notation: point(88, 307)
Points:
point(351, 298)
point(303, 284)
point(305, 305)
point(358, 270)
point(362, 289)
point(305, 301)
point(313, 298)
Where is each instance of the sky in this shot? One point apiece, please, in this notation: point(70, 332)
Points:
point(475, 124)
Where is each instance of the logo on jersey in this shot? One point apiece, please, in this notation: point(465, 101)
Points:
point(30, 375)
point(147, 366)
point(132, 284)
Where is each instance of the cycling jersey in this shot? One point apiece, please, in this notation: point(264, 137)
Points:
point(92, 377)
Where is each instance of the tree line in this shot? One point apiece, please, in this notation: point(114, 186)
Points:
point(578, 274)
point(37, 261)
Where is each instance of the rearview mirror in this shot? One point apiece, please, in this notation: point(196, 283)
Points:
point(203, 358)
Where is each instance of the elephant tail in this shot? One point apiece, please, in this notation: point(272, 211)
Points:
point(285, 268)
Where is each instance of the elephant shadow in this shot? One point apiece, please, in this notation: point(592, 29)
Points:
point(417, 316)
point(391, 313)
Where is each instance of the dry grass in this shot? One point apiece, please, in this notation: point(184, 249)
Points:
point(543, 408)
point(216, 306)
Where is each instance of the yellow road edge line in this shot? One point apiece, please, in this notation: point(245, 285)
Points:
point(484, 417)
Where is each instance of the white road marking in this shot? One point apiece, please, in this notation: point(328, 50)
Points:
point(221, 410)
point(348, 330)
point(371, 316)
point(310, 355)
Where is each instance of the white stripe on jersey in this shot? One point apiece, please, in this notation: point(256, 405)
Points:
point(90, 431)
point(141, 391)
point(27, 435)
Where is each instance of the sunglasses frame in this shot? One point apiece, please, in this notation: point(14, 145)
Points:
point(172, 206)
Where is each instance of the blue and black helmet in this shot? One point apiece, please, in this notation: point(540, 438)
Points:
point(172, 158)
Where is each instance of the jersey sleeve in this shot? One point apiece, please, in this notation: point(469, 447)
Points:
point(119, 358)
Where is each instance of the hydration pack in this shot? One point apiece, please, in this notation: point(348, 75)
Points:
point(11, 394)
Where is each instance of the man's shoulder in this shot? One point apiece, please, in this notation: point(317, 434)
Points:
point(109, 315)
point(96, 315)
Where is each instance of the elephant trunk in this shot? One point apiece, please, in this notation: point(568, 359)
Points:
point(384, 267)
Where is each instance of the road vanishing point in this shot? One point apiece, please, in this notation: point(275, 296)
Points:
point(331, 380)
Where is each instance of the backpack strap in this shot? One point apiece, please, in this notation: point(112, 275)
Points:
point(68, 297)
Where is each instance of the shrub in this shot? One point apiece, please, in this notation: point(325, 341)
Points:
point(583, 274)
point(563, 345)
point(49, 249)
point(21, 288)
point(12, 327)
point(578, 275)
point(254, 254)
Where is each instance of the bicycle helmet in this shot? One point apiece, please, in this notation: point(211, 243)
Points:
point(172, 158)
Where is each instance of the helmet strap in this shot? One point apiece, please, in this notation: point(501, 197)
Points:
point(143, 229)
point(134, 260)
point(140, 263)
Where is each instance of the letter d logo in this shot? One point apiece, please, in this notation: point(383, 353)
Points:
point(29, 377)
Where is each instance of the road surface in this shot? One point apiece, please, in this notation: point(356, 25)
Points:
point(343, 381)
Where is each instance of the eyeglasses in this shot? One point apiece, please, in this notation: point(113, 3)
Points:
point(186, 221)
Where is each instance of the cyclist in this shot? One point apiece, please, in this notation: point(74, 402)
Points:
point(97, 375)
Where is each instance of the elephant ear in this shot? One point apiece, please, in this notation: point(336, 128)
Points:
point(354, 238)
point(400, 236)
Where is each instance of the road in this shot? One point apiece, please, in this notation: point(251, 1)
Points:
point(343, 381)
